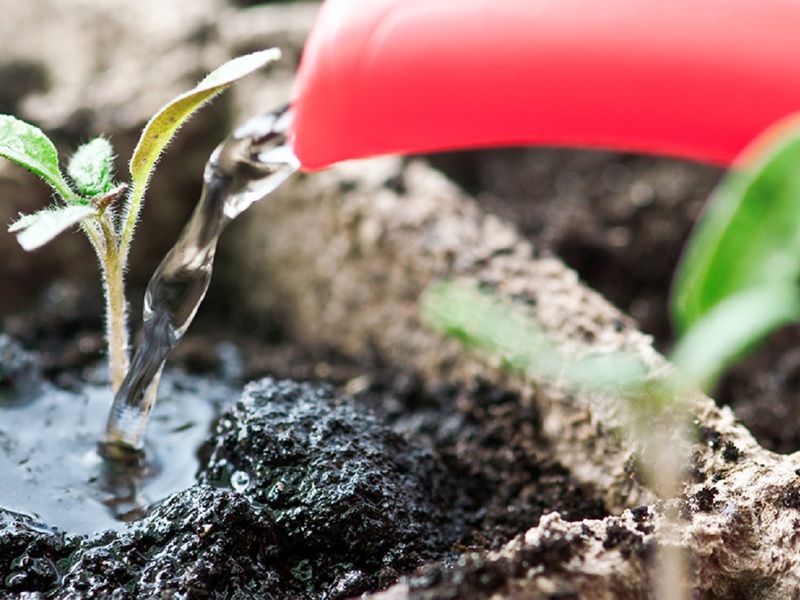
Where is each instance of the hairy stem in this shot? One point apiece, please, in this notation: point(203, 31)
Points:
point(102, 237)
point(116, 309)
point(130, 216)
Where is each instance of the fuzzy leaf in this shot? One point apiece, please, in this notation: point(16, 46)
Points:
point(29, 147)
point(35, 230)
point(160, 129)
point(92, 167)
point(749, 236)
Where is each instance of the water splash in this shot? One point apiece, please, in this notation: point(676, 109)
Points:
point(240, 481)
point(254, 160)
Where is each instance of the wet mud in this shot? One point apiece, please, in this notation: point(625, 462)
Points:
point(282, 490)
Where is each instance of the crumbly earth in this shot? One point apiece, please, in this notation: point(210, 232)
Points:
point(383, 231)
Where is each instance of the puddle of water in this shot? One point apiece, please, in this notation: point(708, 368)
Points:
point(51, 469)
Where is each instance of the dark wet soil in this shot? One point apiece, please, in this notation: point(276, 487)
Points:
point(302, 491)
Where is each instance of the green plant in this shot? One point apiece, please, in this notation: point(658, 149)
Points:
point(739, 274)
point(89, 197)
point(738, 280)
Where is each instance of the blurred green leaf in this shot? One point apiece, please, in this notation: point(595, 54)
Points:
point(738, 278)
point(503, 331)
point(29, 147)
point(732, 328)
point(749, 236)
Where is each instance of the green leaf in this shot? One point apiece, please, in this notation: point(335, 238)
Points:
point(27, 146)
point(92, 167)
point(749, 236)
point(158, 132)
point(731, 328)
point(35, 230)
point(504, 332)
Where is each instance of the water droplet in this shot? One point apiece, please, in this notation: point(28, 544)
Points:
point(240, 481)
point(14, 145)
point(20, 128)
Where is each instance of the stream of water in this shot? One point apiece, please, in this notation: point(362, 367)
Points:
point(254, 160)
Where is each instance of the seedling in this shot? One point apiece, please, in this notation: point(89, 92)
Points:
point(738, 278)
point(88, 196)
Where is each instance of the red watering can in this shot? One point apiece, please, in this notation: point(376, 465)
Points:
point(695, 79)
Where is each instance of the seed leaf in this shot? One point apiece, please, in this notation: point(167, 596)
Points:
point(35, 230)
point(749, 236)
point(29, 147)
point(160, 129)
point(92, 167)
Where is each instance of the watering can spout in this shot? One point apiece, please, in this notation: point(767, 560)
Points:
point(674, 77)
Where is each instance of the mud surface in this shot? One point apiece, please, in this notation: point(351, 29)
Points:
point(49, 460)
point(302, 491)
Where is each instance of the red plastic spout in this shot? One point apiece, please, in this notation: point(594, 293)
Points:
point(689, 78)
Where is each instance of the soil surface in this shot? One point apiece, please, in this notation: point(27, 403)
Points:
point(356, 489)
point(346, 468)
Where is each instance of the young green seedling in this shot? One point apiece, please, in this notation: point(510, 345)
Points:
point(89, 197)
point(737, 281)
point(738, 278)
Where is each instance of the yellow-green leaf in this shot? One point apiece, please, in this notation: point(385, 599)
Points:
point(160, 129)
point(158, 132)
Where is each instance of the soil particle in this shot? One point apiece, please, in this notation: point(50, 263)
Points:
point(704, 499)
point(709, 436)
point(622, 538)
point(731, 453)
point(338, 484)
point(199, 542)
point(791, 497)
